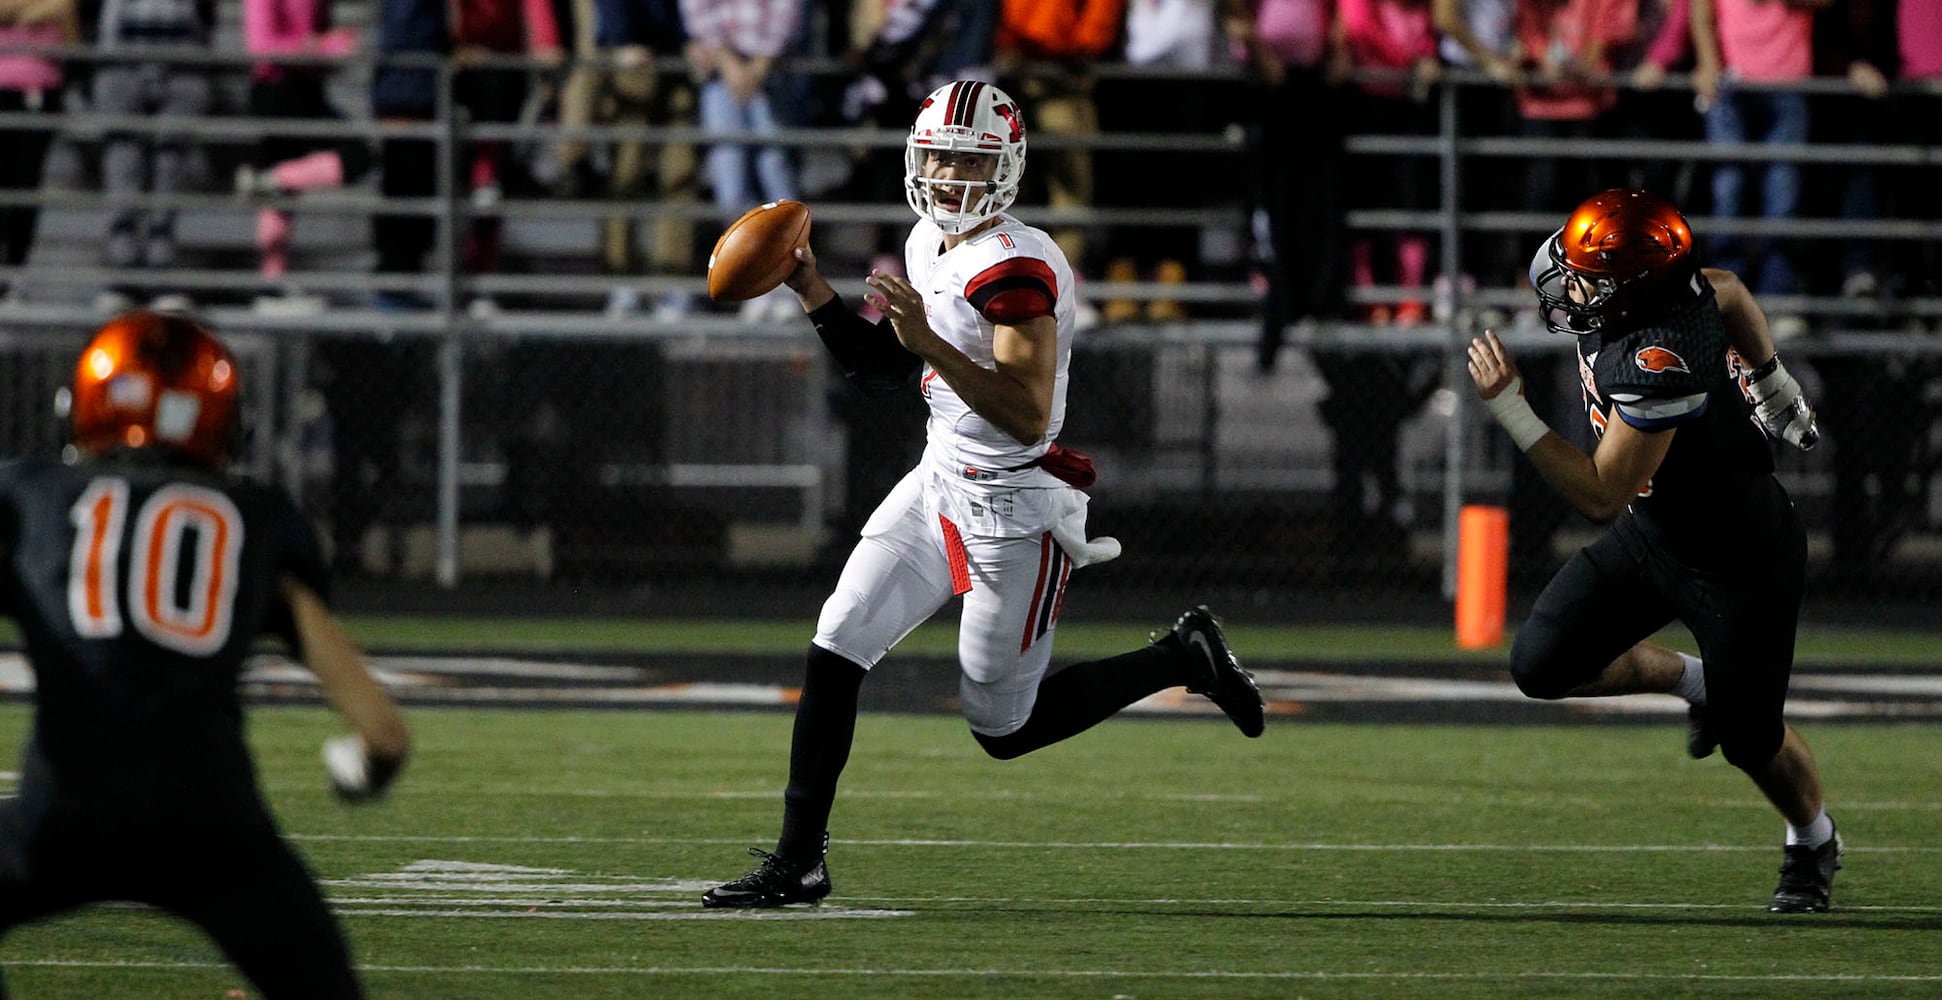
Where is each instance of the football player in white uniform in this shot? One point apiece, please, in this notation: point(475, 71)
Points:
point(993, 512)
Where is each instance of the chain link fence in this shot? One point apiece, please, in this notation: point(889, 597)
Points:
point(543, 443)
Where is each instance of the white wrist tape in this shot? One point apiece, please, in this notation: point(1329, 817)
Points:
point(1514, 412)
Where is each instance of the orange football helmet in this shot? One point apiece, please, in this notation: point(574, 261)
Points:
point(1623, 255)
point(151, 379)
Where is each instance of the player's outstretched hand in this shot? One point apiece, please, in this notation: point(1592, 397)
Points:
point(355, 774)
point(1490, 366)
point(904, 307)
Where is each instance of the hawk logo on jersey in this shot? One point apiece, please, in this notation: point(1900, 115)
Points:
point(1658, 361)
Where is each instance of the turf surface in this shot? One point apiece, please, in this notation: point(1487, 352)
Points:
point(561, 854)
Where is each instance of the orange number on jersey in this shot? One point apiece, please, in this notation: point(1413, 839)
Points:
point(195, 621)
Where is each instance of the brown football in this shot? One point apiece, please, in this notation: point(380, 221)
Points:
point(757, 251)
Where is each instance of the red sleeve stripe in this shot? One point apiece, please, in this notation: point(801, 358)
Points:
point(1032, 279)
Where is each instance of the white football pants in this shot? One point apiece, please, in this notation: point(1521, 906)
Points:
point(901, 573)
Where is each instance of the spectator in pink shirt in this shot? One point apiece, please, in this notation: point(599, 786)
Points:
point(1565, 46)
point(1738, 42)
point(291, 164)
point(1371, 392)
point(29, 84)
point(1303, 115)
point(1394, 36)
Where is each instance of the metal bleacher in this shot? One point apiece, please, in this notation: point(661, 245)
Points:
point(744, 423)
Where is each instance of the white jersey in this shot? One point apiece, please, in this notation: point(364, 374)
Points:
point(958, 287)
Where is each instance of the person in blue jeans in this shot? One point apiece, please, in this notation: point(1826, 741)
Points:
point(1743, 50)
point(1773, 118)
point(732, 47)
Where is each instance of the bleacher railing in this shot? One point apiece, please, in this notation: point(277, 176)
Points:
point(54, 303)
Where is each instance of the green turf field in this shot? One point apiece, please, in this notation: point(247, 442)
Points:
point(561, 854)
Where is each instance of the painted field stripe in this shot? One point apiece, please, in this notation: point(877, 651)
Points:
point(1103, 845)
point(694, 912)
point(986, 795)
point(1202, 974)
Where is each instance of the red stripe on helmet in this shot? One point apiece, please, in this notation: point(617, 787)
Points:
point(969, 108)
point(951, 103)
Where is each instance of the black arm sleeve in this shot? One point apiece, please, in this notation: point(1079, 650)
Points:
point(869, 353)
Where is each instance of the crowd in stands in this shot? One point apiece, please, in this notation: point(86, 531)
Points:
point(1316, 70)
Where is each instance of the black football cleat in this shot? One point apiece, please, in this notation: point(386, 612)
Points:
point(1807, 877)
point(777, 881)
point(1224, 682)
point(1700, 741)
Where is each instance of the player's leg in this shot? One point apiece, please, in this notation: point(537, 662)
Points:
point(894, 580)
point(1005, 649)
point(1583, 637)
point(38, 878)
point(263, 910)
point(1746, 627)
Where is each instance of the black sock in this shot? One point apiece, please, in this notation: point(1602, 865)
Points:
point(1085, 694)
point(825, 724)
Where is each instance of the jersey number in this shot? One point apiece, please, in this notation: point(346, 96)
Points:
point(182, 575)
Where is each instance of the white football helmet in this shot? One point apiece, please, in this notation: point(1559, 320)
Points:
point(966, 116)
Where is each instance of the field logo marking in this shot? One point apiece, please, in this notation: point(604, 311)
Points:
point(448, 888)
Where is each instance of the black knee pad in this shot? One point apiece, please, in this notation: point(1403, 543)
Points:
point(1536, 663)
point(1749, 745)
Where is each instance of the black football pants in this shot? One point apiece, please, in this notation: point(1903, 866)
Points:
point(232, 876)
point(1621, 589)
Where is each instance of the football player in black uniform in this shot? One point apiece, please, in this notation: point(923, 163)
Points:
point(140, 574)
point(1674, 359)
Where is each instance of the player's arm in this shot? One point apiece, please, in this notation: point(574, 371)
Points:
point(1778, 402)
point(1449, 20)
point(1707, 62)
point(1598, 485)
point(1015, 395)
point(1746, 324)
point(869, 353)
point(363, 764)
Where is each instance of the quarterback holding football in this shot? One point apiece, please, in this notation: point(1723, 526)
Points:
point(994, 512)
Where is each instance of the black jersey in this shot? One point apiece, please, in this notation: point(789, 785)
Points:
point(1714, 494)
point(139, 585)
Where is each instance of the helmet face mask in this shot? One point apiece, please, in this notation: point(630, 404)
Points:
point(1568, 301)
point(1621, 256)
point(155, 380)
point(965, 117)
